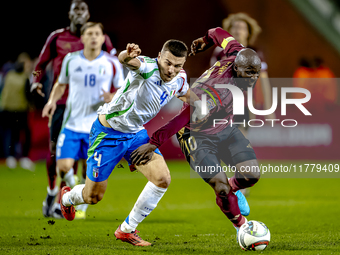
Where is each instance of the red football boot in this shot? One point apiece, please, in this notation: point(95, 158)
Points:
point(68, 211)
point(131, 238)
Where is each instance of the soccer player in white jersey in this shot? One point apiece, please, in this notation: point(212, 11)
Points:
point(90, 74)
point(150, 84)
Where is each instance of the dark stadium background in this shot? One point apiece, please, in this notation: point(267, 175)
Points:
point(286, 35)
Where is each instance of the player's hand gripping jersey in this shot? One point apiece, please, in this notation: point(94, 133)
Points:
point(86, 81)
point(142, 97)
point(219, 100)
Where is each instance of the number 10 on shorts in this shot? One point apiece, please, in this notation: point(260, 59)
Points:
point(97, 158)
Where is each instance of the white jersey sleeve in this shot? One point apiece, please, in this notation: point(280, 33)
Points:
point(118, 76)
point(183, 85)
point(64, 73)
point(147, 68)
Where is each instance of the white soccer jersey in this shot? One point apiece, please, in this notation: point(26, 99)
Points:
point(142, 97)
point(86, 80)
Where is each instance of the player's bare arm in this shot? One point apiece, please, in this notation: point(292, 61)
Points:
point(199, 45)
point(56, 93)
point(107, 96)
point(128, 56)
point(37, 86)
point(143, 154)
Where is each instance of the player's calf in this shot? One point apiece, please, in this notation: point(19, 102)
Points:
point(229, 203)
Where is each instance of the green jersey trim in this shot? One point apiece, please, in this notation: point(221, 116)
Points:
point(118, 113)
point(126, 88)
point(95, 144)
point(72, 55)
point(67, 118)
point(149, 74)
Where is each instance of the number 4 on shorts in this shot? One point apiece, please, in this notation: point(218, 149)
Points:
point(98, 159)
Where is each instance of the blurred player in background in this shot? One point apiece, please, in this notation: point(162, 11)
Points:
point(150, 85)
point(205, 144)
point(58, 44)
point(90, 74)
point(15, 103)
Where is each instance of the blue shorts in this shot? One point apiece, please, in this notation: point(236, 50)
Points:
point(108, 147)
point(72, 145)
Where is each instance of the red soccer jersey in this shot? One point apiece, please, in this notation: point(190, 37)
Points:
point(57, 46)
point(219, 100)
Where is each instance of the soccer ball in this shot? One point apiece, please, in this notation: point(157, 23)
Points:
point(253, 236)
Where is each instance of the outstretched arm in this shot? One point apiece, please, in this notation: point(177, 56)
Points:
point(128, 56)
point(215, 36)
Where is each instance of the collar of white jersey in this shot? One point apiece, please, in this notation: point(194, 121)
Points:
point(83, 56)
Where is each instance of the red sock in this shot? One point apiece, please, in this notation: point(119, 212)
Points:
point(229, 206)
point(51, 166)
point(241, 183)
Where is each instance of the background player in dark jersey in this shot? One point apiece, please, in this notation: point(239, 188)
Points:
point(205, 144)
point(58, 44)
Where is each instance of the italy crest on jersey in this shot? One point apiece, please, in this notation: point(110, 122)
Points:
point(95, 172)
point(101, 70)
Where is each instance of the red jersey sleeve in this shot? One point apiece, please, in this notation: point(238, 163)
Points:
point(222, 38)
point(171, 128)
point(46, 55)
point(107, 44)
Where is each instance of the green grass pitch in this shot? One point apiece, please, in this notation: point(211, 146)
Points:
point(302, 215)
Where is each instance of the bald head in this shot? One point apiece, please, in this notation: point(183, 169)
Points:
point(247, 57)
point(247, 67)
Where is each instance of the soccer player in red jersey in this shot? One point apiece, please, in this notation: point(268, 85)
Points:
point(205, 144)
point(57, 46)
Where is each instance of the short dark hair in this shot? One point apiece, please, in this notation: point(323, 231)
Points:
point(177, 48)
point(91, 24)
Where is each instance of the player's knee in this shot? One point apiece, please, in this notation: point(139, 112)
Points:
point(63, 168)
point(163, 181)
point(256, 177)
point(220, 187)
point(250, 171)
